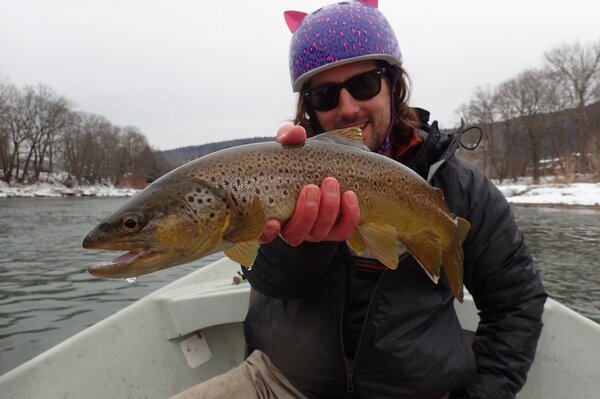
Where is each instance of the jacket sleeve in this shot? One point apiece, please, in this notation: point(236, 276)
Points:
point(505, 285)
point(287, 272)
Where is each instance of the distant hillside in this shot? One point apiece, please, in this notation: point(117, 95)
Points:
point(182, 155)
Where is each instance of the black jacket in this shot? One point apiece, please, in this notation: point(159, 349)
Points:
point(412, 345)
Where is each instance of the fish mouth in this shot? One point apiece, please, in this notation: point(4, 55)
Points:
point(131, 264)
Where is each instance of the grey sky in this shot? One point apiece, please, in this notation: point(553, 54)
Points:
point(192, 72)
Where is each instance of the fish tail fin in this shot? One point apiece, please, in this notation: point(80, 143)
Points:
point(453, 256)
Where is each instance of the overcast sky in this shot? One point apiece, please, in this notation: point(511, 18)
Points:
point(192, 72)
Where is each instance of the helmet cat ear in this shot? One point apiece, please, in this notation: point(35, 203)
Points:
point(372, 3)
point(294, 18)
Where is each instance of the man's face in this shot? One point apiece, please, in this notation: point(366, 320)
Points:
point(372, 115)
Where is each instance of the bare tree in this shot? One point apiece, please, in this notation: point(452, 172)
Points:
point(12, 128)
point(5, 136)
point(578, 66)
point(94, 151)
point(38, 129)
point(493, 112)
point(534, 96)
point(132, 146)
point(43, 115)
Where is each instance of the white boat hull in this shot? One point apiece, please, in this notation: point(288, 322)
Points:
point(191, 330)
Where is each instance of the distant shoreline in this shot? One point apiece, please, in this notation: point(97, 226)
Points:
point(556, 206)
point(584, 196)
point(47, 190)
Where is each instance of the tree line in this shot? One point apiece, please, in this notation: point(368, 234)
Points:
point(40, 132)
point(543, 121)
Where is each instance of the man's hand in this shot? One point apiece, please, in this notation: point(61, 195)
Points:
point(316, 215)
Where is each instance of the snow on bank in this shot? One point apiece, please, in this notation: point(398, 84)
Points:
point(60, 190)
point(576, 194)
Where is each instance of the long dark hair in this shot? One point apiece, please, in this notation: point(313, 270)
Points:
point(405, 120)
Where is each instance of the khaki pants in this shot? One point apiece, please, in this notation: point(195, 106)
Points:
point(255, 378)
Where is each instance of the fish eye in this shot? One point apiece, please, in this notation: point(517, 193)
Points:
point(131, 223)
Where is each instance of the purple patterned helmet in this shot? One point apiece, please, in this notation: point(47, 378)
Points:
point(338, 34)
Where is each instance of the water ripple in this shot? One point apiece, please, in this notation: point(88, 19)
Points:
point(46, 294)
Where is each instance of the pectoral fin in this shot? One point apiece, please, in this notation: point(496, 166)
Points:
point(243, 253)
point(249, 226)
point(382, 242)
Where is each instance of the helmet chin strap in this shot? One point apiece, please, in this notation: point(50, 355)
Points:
point(387, 142)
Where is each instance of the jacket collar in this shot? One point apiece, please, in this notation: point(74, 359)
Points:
point(436, 149)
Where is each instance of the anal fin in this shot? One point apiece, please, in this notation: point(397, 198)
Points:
point(426, 249)
point(453, 259)
point(382, 241)
point(243, 253)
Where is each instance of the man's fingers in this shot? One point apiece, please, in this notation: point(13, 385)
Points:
point(271, 231)
point(295, 231)
point(291, 134)
point(350, 217)
point(329, 207)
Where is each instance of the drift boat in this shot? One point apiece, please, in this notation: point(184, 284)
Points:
point(191, 330)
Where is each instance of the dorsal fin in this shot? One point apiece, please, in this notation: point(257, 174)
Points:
point(351, 136)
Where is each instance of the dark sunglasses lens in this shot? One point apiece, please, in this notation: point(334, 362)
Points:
point(365, 86)
point(324, 98)
point(362, 87)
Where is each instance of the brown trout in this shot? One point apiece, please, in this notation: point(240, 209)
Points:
point(221, 202)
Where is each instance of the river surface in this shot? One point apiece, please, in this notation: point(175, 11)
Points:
point(46, 294)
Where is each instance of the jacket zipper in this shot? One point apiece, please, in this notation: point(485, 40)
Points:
point(347, 277)
point(350, 370)
point(349, 384)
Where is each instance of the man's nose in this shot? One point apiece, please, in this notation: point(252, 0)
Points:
point(348, 106)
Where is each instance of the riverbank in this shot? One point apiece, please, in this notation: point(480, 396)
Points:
point(60, 190)
point(577, 195)
point(584, 195)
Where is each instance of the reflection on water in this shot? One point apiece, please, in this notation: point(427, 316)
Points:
point(566, 247)
point(46, 294)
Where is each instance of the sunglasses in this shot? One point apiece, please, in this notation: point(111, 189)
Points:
point(362, 87)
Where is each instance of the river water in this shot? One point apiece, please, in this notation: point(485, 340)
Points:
point(46, 294)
